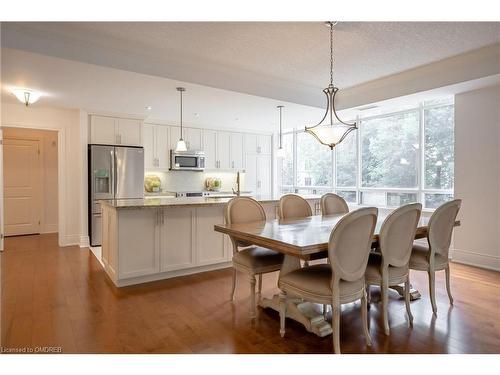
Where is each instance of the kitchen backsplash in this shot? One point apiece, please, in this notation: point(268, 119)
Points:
point(193, 181)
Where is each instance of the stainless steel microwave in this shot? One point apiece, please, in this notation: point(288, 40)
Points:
point(187, 160)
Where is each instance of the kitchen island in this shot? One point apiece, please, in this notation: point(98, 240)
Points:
point(162, 237)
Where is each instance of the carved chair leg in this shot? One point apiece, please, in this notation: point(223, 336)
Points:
point(384, 288)
point(336, 327)
point(282, 307)
point(432, 290)
point(253, 312)
point(448, 290)
point(407, 301)
point(364, 317)
point(233, 288)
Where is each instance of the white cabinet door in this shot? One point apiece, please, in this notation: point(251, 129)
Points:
point(193, 138)
point(102, 130)
point(250, 143)
point(223, 150)
point(250, 173)
point(210, 148)
point(209, 243)
point(236, 150)
point(129, 132)
point(162, 146)
point(177, 240)
point(148, 136)
point(264, 144)
point(264, 175)
point(138, 242)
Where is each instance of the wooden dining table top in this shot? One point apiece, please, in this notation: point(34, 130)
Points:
point(306, 238)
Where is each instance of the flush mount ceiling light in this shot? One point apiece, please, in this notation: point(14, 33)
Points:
point(331, 130)
point(181, 144)
point(26, 96)
point(280, 153)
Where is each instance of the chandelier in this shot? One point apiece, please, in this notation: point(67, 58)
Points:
point(331, 130)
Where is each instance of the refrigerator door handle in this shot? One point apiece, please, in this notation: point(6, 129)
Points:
point(113, 177)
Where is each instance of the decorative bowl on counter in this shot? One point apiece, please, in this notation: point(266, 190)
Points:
point(152, 184)
point(213, 184)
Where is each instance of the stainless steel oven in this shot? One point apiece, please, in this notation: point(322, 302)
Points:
point(187, 160)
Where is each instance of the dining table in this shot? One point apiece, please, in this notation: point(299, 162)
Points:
point(304, 239)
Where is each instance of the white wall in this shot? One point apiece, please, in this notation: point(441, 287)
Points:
point(70, 168)
point(477, 177)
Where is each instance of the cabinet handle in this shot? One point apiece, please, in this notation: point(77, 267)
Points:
point(258, 149)
point(232, 164)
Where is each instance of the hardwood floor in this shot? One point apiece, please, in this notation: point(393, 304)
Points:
point(60, 297)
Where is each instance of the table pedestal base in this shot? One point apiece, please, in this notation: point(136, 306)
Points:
point(307, 313)
point(414, 294)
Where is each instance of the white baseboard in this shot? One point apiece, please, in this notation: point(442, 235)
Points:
point(491, 262)
point(84, 241)
point(70, 240)
point(49, 228)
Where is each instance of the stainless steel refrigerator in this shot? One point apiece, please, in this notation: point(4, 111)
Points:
point(115, 172)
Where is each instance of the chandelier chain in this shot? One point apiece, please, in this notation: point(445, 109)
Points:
point(331, 53)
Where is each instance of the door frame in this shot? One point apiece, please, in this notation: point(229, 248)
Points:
point(61, 176)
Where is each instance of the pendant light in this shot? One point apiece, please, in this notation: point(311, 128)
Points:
point(280, 153)
point(26, 96)
point(181, 144)
point(326, 131)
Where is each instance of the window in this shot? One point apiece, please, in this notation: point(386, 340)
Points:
point(391, 160)
point(314, 163)
point(389, 151)
point(346, 161)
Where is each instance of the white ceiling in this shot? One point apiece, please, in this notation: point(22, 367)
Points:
point(280, 60)
point(98, 89)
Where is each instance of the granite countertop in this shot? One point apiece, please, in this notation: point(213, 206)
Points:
point(151, 202)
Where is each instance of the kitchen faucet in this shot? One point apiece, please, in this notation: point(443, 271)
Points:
point(238, 184)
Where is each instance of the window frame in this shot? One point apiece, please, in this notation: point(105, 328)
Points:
point(420, 189)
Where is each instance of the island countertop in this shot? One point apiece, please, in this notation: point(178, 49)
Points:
point(154, 202)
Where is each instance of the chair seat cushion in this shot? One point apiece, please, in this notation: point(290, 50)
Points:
point(258, 257)
point(420, 255)
point(373, 273)
point(315, 280)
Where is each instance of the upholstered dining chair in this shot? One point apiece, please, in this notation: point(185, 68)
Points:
point(340, 281)
point(433, 256)
point(249, 259)
point(292, 206)
point(390, 266)
point(332, 204)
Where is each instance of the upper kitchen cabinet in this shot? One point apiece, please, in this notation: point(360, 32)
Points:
point(115, 131)
point(156, 146)
point(223, 150)
point(258, 144)
point(236, 150)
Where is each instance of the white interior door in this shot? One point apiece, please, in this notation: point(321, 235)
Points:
point(22, 184)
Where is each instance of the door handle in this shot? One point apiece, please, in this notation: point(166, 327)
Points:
point(112, 165)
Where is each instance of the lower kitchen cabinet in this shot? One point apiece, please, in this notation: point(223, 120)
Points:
point(177, 238)
point(210, 247)
point(138, 242)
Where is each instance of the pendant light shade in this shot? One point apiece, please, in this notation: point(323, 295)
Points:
point(280, 153)
point(331, 130)
point(181, 144)
point(26, 96)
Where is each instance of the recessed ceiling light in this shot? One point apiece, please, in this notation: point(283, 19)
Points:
point(26, 96)
point(149, 108)
point(236, 119)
